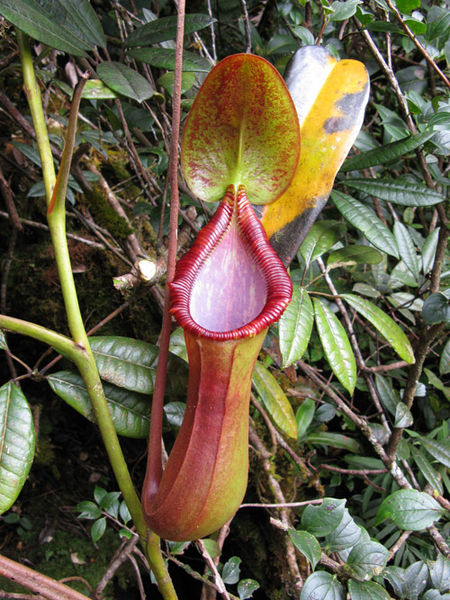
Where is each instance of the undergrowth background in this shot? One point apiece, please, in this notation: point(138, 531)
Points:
point(371, 430)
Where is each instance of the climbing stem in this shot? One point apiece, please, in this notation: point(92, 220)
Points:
point(78, 349)
point(33, 95)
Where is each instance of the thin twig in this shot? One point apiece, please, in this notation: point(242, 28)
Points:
point(281, 504)
point(120, 556)
point(248, 34)
point(154, 464)
point(418, 45)
point(212, 565)
point(44, 227)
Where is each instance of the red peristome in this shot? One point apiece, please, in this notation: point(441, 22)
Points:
point(234, 211)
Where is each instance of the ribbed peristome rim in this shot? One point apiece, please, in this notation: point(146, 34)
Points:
point(279, 285)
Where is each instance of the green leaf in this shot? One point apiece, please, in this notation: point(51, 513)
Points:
point(125, 81)
point(367, 590)
point(388, 396)
point(246, 588)
point(437, 383)
point(334, 440)
point(384, 324)
point(307, 544)
point(165, 28)
point(99, 493)
point(125, 362)
point(174, 412)
point(343, 10)
point(3, 344)
point(16, 443)
point(429, 251)
point(427, 469)
point(406, 249)
point(410, 510)
point(129, 411)
point(212, 547)
point(95, 89)
point(167, 81)
point(231, 570)
point(322, 586)
point(386, 153)
point(403, 416)
point(164, 58)
point(407, 6)
point(321, 237)
point(295, 327)
point(110, 504)
point(323, 519)
point(274, 400)
point(435, 595)
point(88, 510)
point(336, 345)
point(404, 193)
point(438, 450)
point(365, 219)
point(416, 577)
point(68, 25)
point(367, 559)
point(346, 534)
point(304, 416)
point(444, 362)
point(436, 309)
point(440, 573)
point(396, 577)
point(354, 255)
point(242, 129)
point(178, 344)
point(98, 529)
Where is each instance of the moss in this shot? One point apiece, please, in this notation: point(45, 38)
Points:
point(69, 555)
point(106, 216)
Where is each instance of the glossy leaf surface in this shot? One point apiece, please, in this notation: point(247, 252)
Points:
point(354, 255)
point(367, 559)
point(410, 510)
point(322, 586)
point(386, 153)
point(336, 345)
point(125, 81)
point(129, 411)
point(295, 326)
point(406, 248)
point(346, 534)
point(384, 324)
point(404, 193)
point(164, 58)
point(323, 520)
point(439, 450)
point(16, 443)
point(125, 362)
point(307, 544)
point(274, 400)
point(322, 236)
point(242, 129)
point(367, 590)
point(165, 28)
point(330, 98)
point(67, 25)
point(365, 219)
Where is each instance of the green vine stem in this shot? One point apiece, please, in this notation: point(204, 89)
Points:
point(79, 349)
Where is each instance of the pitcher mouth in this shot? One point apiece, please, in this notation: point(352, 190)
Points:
point(231, 284)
